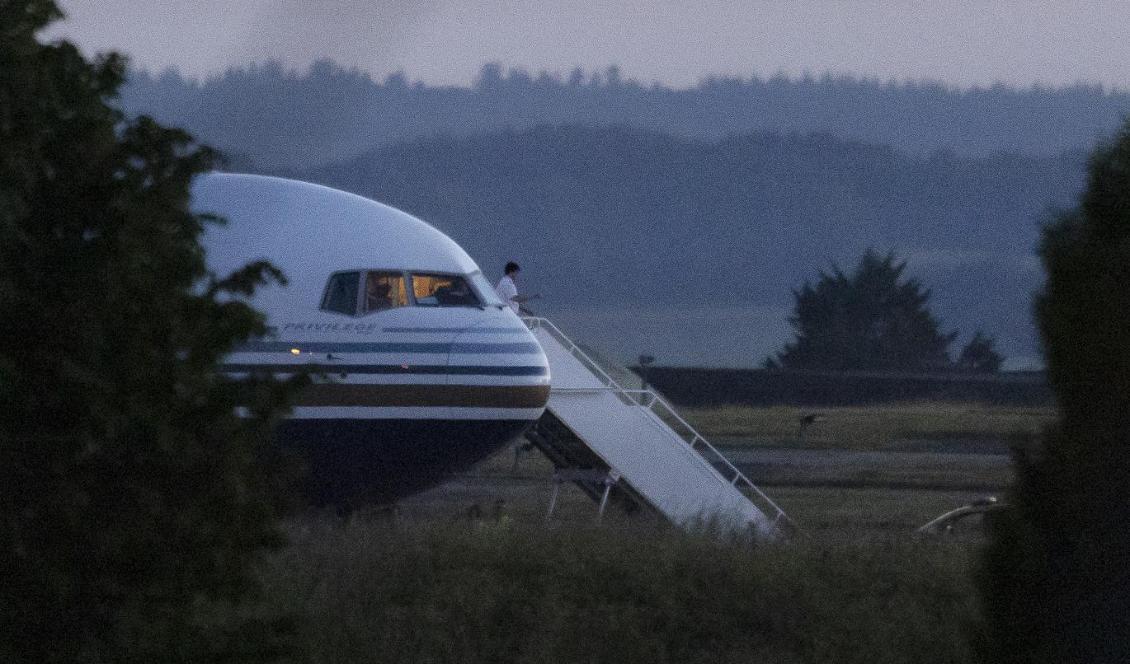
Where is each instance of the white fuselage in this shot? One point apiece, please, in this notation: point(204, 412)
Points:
point(419, 370)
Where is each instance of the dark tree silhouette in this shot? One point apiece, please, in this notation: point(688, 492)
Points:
point(871, 319)
point(131, 493)
point(1056, 584)
point(980, 355)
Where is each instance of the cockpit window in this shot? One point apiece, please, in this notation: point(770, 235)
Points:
point(341, 293)
point(483, 288)
point(443, 290)
point(384, 290)
point(363, 292)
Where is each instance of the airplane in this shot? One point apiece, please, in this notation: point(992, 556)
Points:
point(425, 370)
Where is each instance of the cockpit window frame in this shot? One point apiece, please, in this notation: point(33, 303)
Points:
point(411, 274)
point(363, 311)
point(485, 299)
point(358, 299)
point(490, 297)
point(359, 304)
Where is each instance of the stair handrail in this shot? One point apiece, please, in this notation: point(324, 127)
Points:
point(698, 439)
point(534, 322)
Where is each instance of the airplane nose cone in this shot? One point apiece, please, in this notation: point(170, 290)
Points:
point(500, 355)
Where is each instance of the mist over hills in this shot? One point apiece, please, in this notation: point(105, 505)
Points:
point(284, 119)
point(689, 248)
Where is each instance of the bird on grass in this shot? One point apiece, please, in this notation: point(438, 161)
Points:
point(805, 421)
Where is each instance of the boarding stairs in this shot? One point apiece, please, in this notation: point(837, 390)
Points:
point(569, 454)
point(654, 457)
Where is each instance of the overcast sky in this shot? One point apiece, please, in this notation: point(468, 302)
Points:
point(961, 42)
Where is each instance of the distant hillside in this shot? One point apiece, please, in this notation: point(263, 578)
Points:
point(689, 249)
point(283, 119)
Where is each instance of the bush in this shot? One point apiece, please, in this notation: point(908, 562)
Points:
point(1055, 581)
point(130, 492)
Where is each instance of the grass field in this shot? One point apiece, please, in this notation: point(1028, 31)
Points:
point(381, 591)
point(473, 572)
point(899, 426)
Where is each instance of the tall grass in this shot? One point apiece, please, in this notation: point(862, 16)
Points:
point(381, 591)
point(855, 586)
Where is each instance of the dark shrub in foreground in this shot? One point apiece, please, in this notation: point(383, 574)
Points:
point(130, 492)
point(1056, 581)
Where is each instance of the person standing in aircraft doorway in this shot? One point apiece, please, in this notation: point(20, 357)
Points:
point(508, 290)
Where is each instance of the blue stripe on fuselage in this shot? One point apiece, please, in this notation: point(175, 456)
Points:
point(388, 347)
point(455, 330)
point(388, 369)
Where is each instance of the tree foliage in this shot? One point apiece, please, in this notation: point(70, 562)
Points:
point(1055, 581)
point(980, 355)
point(871, 319)
point(129, 489)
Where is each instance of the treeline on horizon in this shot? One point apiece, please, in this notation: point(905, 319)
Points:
point(279, 117)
